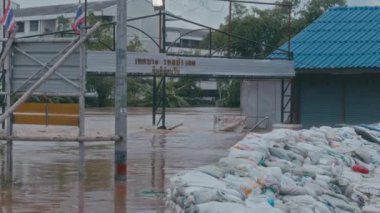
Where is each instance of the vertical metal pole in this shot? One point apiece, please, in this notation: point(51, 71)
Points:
point(164, 28)
point(9, 124)
point(164, 76)
point(3, 73)
point(343, 101)
point(121, 93)
point(114, 36)
point(282, 100)
point(85, 14)
point(154, 100)
point(164, 103)
point(82, 104)
point(210, 43)
point(229, 29)
point(289, 31)
point(160, 30)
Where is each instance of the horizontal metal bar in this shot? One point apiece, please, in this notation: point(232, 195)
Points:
point(60, 138)
point(43, 40)
point(218, 76)
point(142, 17)
point(259, 2)
point(57, 94)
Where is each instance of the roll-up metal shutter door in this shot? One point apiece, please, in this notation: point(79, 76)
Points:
point(362, 100)
point(320, 100)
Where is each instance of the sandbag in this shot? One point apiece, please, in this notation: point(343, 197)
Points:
point(217, 207)
point(208, 195)
point(280, 153)
point(362, 155)
point(213, 171)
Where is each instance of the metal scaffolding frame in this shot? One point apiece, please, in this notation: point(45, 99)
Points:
point(31, 85)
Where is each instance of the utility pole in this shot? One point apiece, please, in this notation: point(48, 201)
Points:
point(229, 29)
point(121, 93)
point(290, 57)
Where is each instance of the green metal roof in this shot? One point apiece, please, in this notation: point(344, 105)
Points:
point(342, 38)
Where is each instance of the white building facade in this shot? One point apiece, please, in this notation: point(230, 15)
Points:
point(41, 20)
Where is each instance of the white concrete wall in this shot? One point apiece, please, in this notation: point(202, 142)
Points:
point(259, 99)
point(27, 30)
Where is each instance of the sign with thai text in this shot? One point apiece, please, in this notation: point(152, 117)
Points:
point(161, 64)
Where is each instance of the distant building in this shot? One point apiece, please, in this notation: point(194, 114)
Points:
point(185, 41)
point(14, 6)
point(44, 19)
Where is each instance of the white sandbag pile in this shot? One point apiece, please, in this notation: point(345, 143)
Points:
point(321, 170)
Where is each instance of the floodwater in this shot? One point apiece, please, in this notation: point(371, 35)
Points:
point(45, 174)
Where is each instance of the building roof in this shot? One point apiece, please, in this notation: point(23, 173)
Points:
point(61, 9)
point(342, 38)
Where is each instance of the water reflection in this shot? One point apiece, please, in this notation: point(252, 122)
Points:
point(158, 162)
point(46, 174)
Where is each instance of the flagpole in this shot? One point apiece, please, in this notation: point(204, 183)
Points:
point(85, 13)
point(3, 14)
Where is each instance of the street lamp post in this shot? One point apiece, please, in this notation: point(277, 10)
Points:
point(160, 5)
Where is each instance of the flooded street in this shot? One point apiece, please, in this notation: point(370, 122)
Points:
point(46, 174)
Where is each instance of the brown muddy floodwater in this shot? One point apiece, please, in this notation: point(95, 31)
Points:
point(46, 174)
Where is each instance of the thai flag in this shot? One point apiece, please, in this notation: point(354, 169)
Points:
point(79, 19)
point(8, 20)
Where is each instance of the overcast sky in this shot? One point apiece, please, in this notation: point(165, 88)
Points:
point(209, 12)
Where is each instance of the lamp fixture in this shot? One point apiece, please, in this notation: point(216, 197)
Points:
point(158, 4)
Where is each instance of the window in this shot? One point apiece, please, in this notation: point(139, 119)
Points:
point(20, 27)
point(33, 26)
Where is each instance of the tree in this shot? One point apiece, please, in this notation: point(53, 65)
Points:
point(104, 35)
point(183, 92)
point(135, 45)
point(261, 32)
point(139, 89)
point(62, 25)
point(312, 10)
point(102, 85)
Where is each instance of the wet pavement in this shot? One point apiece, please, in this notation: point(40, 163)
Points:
point(46, 174)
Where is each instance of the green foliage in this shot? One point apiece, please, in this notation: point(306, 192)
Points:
point(103, 86)
point(183, 92)
point(104, 35)
point(139, 91)
point(263, 31)
point(49, 99)
point(312, 10)
point(135, 45)
point(63, 24)
point(229, 92)
point(139, 88)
